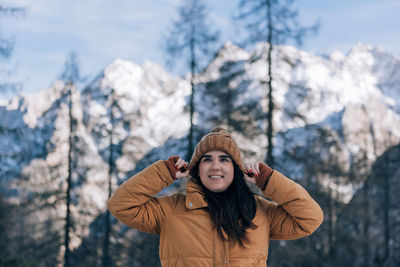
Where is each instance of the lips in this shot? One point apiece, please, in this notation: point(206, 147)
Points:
point(216, 176)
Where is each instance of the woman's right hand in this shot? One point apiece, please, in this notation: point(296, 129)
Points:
point(177, 167)
point(182, 168)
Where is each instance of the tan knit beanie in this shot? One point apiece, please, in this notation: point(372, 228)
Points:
point(217, 139)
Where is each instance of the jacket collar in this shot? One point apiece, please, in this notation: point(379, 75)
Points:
point(195, 198)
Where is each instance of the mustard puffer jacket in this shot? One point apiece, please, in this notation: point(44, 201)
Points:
point(187, 236)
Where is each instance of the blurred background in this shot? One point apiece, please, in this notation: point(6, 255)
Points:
point(92, 92)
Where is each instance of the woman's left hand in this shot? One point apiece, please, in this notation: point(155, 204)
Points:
point(251, 172)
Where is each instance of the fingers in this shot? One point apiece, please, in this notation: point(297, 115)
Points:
point(181, 165)
point(252, 170)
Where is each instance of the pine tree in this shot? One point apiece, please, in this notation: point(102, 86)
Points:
point(191, 38)
point(106, 261)
point(71, 77)
point(274, 22)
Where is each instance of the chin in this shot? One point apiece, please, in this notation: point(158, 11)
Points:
point(217, 190)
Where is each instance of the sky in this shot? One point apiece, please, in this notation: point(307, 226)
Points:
point(100, 31)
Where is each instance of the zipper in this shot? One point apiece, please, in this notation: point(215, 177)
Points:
point(213, 247)
point(227, 256)
point(226, 249)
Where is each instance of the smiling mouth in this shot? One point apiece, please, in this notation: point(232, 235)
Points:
point(216, 176)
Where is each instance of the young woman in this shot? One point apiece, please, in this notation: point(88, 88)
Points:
point(218, 222)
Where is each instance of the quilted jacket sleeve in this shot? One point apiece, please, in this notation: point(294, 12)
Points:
point(134, 204)
point(294, 214)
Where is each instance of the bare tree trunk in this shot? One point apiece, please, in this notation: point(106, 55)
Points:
point(330, 223)
point(367, 222)
point(386, 218)
point(67, 261)
point(106, 261)
point(367, 218)
point(269, 158)
point(192, 70)
point(386, 203)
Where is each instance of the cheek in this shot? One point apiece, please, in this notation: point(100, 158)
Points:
point(231, 171)
point(202, 171)
point(230, 174)
point(231, 178)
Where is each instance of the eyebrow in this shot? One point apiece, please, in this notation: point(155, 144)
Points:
point(221, 157)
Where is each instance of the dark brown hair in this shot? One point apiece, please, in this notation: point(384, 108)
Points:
point(232, 210)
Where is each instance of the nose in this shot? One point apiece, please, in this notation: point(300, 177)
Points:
point(216, 165)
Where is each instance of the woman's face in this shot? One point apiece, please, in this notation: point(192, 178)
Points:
point(216, 170)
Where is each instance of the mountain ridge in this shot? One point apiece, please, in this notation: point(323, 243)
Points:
point(332, 112)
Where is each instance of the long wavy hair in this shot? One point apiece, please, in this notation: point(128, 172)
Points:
point(232, 210)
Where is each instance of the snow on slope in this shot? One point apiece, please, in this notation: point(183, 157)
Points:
point(355, 97)
point(346, 96)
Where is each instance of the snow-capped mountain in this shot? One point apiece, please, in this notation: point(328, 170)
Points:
point(352, 94)
point(148, 109)
point(350, 99)
point(330, 113)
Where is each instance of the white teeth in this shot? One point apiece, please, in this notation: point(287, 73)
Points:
point(215, 176)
